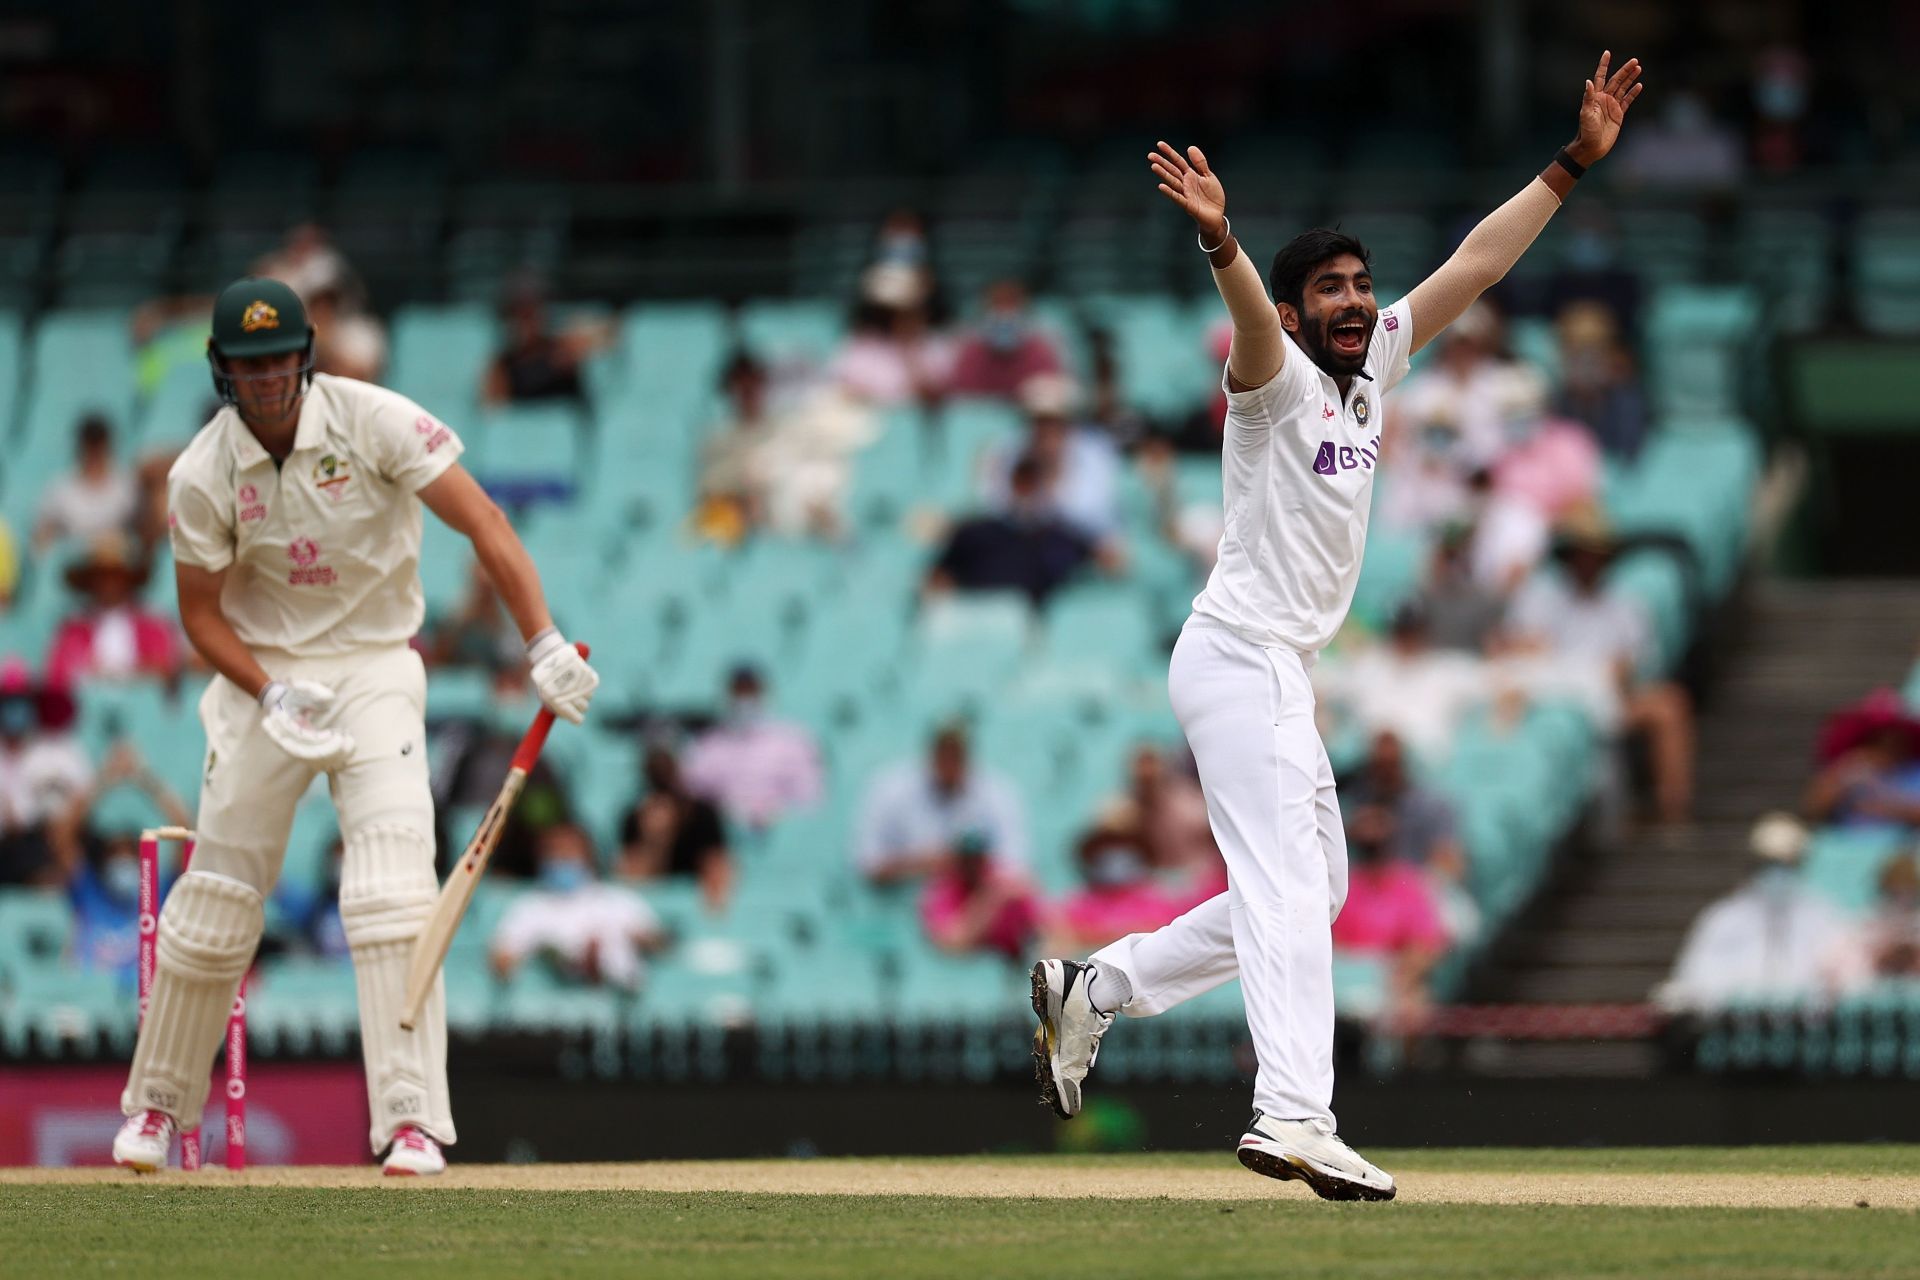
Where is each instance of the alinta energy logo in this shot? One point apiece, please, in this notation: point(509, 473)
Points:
point(307, 571)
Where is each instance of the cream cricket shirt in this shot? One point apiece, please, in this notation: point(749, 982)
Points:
point(1297, 470)
point(325, 548)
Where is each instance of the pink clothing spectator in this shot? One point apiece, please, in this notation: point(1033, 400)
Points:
point(123, 644)
point(1555, 470)
point(983, 369)
point(1097, 916)
point(996, 912)
point(1389, 909)
point(757, 770)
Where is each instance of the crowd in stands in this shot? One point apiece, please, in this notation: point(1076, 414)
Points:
point(1491, 464)
point(1834, 910)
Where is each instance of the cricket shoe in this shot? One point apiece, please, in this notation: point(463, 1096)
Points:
point(1310, 1151)
point(413, 1155)
point(144, 1140)
point(1068, 1038)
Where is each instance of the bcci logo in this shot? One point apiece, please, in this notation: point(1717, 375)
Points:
point(259, 315)
point(331, 474)
point(1361, 410)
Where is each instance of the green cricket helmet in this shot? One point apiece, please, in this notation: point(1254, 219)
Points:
point(257, 316)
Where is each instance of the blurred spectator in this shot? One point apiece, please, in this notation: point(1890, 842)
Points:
point(1550, 464)
point(1005, 348)
point(1028, 548)
point(1782, 81)
point(1580, 616)
point(468, 755)
point(45, 780)
point(915, 815)
point(1869, 766)
point(1120, 897)
point(105, 893)
point(1511, 534)
point(1107, 407)
point(669, 831)
point(475, 632)
point(1683, 147)
point(894, 356)
point(1591, 269)
point(1390, 914)
point(1418, 825)
point(347, 342)
point(787, 470)
point(104, 884)
point(1462, 613)
point(1405, 686)
point(538, 363)
point(756, 768)
point(112, 636)
point(1893, 935)
point(977, 902)
point(1598, 386)
point(308, 263)
point(1164, 811)
point(97, 496)
point(590, 931)
point(1775, 938)
point(902, 242)
point(1083, 463)
point(1473, 390)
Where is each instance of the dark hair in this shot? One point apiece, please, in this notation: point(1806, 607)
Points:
point(94, 430)
point(1027, 469)
point(741, 363)
point(1293, 264)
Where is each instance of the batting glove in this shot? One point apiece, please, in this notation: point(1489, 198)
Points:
point(292, 712)
point(561, 676)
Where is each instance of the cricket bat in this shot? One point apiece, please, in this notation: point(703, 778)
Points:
point(430, 948)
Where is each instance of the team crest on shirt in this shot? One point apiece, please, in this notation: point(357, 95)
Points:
point(332, 474)
point(258, 316)
point(1361, 409)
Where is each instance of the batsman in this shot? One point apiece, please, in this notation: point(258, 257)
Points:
point(295, 523)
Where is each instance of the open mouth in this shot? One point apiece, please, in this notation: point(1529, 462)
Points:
point(1349, 337)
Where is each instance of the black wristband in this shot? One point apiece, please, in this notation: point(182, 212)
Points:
point(1568, 163)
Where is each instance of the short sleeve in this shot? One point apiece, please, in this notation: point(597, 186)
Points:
point(1392, 349)
point(198, 528)
point(1255, 407)
point(410, 447)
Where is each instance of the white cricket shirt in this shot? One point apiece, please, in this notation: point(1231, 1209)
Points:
point(1297, 471)
point(324, 548)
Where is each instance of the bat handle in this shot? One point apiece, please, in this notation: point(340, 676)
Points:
point(529, 749)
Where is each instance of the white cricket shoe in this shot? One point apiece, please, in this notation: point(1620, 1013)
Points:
point(413, 1155)
point(144, 1140)
point(1311, 1152)
point(1068, 1038)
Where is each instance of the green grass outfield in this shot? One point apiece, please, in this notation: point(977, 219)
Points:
point(1685, 1212)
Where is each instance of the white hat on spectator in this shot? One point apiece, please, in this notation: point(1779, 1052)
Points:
point(1778, 837)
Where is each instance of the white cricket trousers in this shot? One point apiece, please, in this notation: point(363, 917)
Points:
point(1247, 711)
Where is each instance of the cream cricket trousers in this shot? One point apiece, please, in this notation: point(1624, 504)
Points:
point(249, 791)
point(1247, 711)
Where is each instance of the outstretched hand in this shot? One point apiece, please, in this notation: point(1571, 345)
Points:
point(1603, 106)
point(1189, 183)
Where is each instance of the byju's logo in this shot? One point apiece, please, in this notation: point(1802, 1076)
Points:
point(1331, 461)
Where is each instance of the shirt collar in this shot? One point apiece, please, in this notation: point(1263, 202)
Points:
point(309, 434)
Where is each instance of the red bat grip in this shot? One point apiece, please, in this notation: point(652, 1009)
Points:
point(529, 749)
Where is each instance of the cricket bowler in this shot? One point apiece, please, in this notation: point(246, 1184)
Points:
point(1305, 377)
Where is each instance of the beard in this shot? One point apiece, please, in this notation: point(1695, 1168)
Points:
point(1317, 341)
